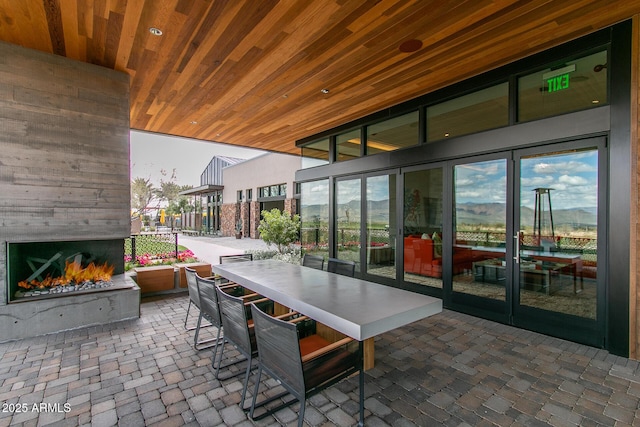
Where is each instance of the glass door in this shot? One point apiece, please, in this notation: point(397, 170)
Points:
point(556, 242)
point(479, 264)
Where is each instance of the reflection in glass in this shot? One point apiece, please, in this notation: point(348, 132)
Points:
point(393, 134)
point(482, 110)
point(315, 154)
point(558, 232)
point(422, 236)
point(480, 194)
point(347, 215)
point(572, 86)
point(348, 145)
point(381, 225)
point(314, 216)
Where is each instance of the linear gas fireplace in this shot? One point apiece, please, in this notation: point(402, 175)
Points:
point(38, 270)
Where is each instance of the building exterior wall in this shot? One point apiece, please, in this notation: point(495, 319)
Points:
point(252, 174)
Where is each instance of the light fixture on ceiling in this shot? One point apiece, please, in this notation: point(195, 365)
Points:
point(193, 122)
point(446, 135)
point(155, 31)
point(325, 91)
point(595, 101)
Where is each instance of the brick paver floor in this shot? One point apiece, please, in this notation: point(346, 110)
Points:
point(451, 369)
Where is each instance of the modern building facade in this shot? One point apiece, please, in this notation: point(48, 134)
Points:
point(261, 183)
point(506, 195)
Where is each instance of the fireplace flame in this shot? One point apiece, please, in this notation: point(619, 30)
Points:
point(73, 274)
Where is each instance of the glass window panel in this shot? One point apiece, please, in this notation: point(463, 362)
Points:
point(572, 86)
point(314, 217)
point(348, 195)
point(381, 225)
point(480, 229)
point(348, 145)
point(315, 154)
point(482, 110)
point(423, 227)
point(393, 134)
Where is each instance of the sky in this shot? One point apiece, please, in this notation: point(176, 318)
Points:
point(151, 153)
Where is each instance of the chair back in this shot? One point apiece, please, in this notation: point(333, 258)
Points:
point(192, 286)
point(228, 259)
point(279, 350)
point(233, 314)
point(209, 301)
point(313, 261)
point(339, 266)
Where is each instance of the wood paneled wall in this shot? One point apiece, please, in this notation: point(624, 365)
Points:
point(64, 150)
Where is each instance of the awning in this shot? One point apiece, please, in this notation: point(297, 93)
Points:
point(202, 190)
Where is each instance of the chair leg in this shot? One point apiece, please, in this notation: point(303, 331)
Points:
point(301, 413)
point(195, 337)
point(220, 360)
point(187, 318)
point(246, 383)
point(215, 349)
point(255, 392)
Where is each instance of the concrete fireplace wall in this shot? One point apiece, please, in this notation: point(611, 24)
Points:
point(64, 175)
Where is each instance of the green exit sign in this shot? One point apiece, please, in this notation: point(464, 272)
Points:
point(558, 79)
point(557, 83)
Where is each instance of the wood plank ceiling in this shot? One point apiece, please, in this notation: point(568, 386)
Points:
point(251, 73)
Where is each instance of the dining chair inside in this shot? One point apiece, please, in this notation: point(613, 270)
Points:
point(302, 366)
point(313, 261)
point(194, 299)
point(343, 267)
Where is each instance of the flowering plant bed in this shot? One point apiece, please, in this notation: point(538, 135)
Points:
point(167, 258)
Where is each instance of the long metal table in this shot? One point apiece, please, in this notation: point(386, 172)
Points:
point(354, 307)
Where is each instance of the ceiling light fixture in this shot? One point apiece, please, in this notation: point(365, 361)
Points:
point(193, 122)
point(155, 31)
point(324, 91)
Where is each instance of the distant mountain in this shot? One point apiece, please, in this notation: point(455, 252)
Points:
point(494, 213)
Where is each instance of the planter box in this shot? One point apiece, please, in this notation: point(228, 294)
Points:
point(202, 268)
point(155, 278)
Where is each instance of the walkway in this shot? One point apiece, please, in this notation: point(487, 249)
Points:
point(451, 369)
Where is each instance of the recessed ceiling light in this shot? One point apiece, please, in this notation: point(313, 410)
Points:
point(446, 135)
point(324, 90)
point(155, 31)
point(193, 122)
point(595, 101)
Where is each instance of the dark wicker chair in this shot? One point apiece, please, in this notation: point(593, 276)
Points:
point(313, 261)
point(339, 266)
point(302, 366)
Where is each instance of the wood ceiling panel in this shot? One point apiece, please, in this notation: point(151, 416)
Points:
point(250, 72)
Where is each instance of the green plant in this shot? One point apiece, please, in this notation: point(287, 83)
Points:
point(279, 228)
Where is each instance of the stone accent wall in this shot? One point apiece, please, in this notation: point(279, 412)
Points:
point(255, 219)
point(228, 214)
point(290, 205)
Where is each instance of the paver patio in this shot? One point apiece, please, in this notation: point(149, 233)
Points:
point(450, 369)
